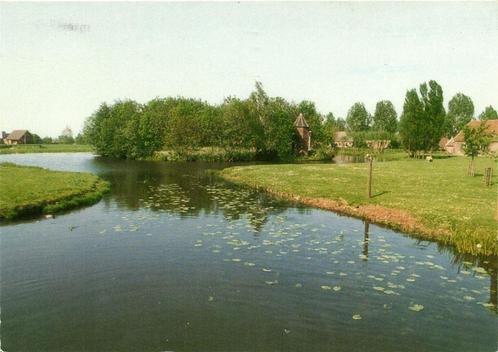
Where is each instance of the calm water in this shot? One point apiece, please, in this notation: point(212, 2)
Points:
point(173, 259)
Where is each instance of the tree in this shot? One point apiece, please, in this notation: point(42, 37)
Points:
point(385, 117)
point(241, 129)
point(37, 139)
point(65, 139)
point(112, 129)
point(280, 135)
point(422, 121)
point(488, 114)
point(476, 141)
point(358, 118)
point(315, 121)
point(413, 124)
point(460, 113)
point(432, 99)
point(80, 139)
point(47, 140)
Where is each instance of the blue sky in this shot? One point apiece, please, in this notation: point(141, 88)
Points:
point(59, 61)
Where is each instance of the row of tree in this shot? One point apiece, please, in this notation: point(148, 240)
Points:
point(127, 129)
point(424, 120)
point(460, 112)
point(79, 139)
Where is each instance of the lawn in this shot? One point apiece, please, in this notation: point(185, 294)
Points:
point(436, 200)
point(32, 190)
point(45, 148)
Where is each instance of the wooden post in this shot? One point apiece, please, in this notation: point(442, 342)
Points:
point(487, 176)
point(369, 161)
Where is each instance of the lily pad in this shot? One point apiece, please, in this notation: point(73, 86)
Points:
point(416, 307)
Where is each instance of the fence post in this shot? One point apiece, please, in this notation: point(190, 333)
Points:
point(369, 161)
point(487, 176)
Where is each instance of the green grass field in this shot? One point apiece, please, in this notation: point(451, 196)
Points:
point(435, 200)
point(30, 190)
point(45, 148)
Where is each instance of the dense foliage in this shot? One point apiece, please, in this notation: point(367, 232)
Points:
point(460, 112)
point(261, 123)
point(422, 122)
point(489, 114)
point(358, 118)
point(385, 117)
point(476, 140)
point(262, 126)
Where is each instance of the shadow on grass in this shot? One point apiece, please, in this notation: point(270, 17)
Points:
point(380, 193)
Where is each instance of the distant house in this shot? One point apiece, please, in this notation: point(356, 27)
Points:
point(19, 137)
point(303, 129)
point(378, 144)
point(342, 140)
point(455, 144)
point(4, 136)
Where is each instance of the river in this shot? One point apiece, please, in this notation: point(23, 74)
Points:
point(173, 259)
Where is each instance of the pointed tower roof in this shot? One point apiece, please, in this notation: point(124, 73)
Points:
point(301, 122)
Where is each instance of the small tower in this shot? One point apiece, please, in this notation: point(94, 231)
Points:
point(303, 129)
point(67, 132)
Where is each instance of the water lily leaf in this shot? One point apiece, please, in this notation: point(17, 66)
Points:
point(357, 317)
point(480, 270)
point(416, 307)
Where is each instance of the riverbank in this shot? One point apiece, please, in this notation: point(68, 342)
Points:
point(45, 148)
point(436, 201)
point(216, 154)
point(30, 190)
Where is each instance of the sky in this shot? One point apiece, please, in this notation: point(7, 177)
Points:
point(60, 61)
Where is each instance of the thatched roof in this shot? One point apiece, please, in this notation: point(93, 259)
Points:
point(491, 127)
point(17, 135)
point(301, 122)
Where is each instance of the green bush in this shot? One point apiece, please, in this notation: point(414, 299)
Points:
point(360, 138)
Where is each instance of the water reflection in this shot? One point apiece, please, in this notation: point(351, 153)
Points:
point(191, 189)
point(365, 239)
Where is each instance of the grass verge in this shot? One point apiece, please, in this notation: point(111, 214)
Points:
point(45, 148)
point(28, 190)
point(435, 200)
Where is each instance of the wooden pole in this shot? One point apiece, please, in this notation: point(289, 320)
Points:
point(369, 161)
point(488, 172)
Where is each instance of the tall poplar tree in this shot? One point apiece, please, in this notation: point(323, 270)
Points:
point(385, 117)
point(460, 113)
point(413, 124)
point(358, 118)
point(432, 99)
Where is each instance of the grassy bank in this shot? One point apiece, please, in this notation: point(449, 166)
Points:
point(44, 148)
point(434, 200)
point(30, 190)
